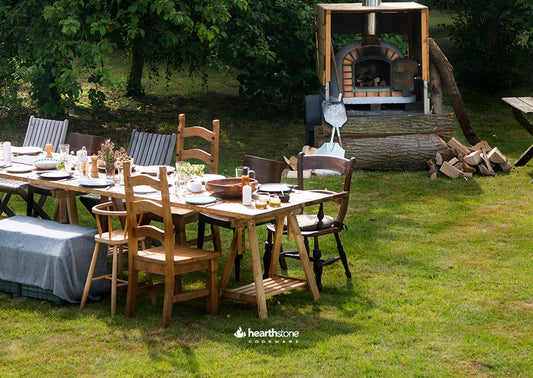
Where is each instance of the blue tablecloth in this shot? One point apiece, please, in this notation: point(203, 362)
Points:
point(52, 256)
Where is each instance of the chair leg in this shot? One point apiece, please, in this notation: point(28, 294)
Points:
point(89, 276)
point(342, 255)
point(212, 286)
point(114, 281)
point(317, 263)
point(3, 205)
point(200, 234)
point(133, 281)
point(168, 301)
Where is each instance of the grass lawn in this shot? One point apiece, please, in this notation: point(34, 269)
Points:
point(442, 269)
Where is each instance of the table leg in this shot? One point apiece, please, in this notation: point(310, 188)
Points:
point(257, 271)
point(229, 263)
point(276, 248)
point(304, 257)
point(528, 126)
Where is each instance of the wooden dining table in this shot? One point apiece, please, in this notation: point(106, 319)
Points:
point(244, 219)
point(523, 112)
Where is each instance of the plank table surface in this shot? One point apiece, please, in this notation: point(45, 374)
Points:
point(523, 111)
point(244, 218)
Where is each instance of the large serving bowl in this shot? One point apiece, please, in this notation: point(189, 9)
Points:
point(228, 187)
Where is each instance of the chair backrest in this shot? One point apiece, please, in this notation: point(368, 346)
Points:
point(104, 215)
point(45, 131)
point(91, 142)
point(266, 170)
point(212, 137)
point(150, 148)
point(332, 163)
point(137, 207)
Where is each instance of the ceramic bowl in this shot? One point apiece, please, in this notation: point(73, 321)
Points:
point(228, 187)
point(46, 163)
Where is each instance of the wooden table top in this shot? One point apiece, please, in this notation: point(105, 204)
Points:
point(524, 104)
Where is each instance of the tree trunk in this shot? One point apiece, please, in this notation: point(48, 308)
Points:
point(134, 87)
point(446, 73)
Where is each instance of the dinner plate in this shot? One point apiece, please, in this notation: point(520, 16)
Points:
point(29, 150)
point(275, 188)
point(143, 189)
point(46, 163)
point(210, 176)
point(200, 200)
point(19, 169)
point(54, 175)
point(95, 183)
point(154, 169)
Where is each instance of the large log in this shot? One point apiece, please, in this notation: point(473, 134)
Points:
point(396, 125)
point(391, 153)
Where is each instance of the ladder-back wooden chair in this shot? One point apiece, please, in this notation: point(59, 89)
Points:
point(266, 171)
point(92, 143)
point(186, 137)
point(211, 136)
point(170, 260)
point(317, 225)
point(39, 133)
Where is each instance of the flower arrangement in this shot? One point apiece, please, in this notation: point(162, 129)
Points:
point(110, 156)
point(191, 170)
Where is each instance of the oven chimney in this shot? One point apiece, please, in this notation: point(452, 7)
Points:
point(370, 29)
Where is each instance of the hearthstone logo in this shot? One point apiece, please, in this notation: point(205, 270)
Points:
point(268, 336)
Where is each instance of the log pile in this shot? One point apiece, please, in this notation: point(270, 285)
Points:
point(458, 160)
point(290, 170)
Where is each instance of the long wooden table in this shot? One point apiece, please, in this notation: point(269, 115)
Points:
point(244, 219)
point(523, 113)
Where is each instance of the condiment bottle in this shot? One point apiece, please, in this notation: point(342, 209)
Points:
point(245, 178)
point(246, 195)
point(7, 152)
point(94, 166)
point(82, 162)
point(49, 150)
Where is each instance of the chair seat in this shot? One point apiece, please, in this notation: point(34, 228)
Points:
point(117, 237)
point(12, 186)
point(309, 222)
point(181, 254)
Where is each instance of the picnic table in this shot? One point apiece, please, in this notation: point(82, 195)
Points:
point(523, 113)
point(244, 218)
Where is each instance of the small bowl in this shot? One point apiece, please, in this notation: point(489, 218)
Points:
point(228, 187)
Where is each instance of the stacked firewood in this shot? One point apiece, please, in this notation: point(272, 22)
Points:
point(290, 170)
point(458, 160)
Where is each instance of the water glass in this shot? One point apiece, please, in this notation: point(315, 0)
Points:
point(64, 150)
point(180, 185)
point(238, 173)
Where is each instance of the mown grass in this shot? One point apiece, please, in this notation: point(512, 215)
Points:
point(442, 273)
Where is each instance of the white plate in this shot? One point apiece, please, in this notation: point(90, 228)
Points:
point(55, 175)
point(153, 169)
point(19, 169)
point(46, 163)
point(210, 176)
point(26, 150)
point(200, 200)
point(143, 189)
point(95, 183)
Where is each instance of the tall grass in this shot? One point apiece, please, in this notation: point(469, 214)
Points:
point(442, 273)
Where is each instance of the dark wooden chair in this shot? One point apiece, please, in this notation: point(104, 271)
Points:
point(170, 259)
point(266, 171)
point(40, 132)
point(317, 225)
point(92, 143)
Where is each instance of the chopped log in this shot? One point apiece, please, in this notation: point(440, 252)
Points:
point(487, 162)
point(484, 171)
point(467, 168)
point(453, 161)
point(496, 156)
point(506, 166)
point(444, 155)
point(308, 150)
point(458, 146)
point(433, 169)
point(473, 158)
point(477, 146)
point(293, 163)
point(450, 171)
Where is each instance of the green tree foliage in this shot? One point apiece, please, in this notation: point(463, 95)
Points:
point(490, 41)
point(272, 44)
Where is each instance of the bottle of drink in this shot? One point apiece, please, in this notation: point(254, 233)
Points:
point(246, 188)
point(245, 178)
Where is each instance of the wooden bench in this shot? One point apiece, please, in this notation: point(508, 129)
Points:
point(523, 113)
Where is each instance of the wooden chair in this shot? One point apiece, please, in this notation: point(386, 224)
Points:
point(266, 171)
point(115, 239)
point(210, 158)
point(91, 142)
point(40, 132)
point(316, 225)
point(170, 260)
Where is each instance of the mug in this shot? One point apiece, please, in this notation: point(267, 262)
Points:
point(238, 172)
point(195, 186)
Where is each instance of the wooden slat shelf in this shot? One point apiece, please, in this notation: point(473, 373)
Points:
point(273, 286)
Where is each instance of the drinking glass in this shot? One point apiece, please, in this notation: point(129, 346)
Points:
point(238, 173)
point(180, 185)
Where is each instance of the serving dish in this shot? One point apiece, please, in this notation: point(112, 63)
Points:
point(46, 163)
point(228, 187)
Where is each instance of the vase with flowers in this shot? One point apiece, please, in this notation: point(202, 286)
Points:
point(111, 157)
